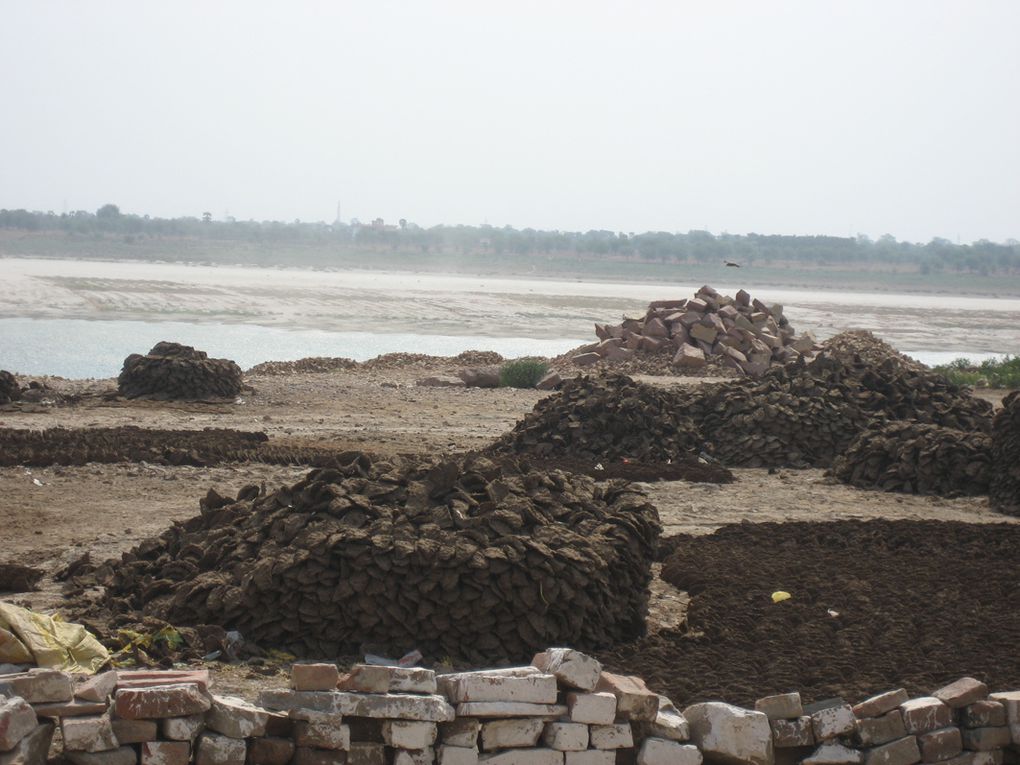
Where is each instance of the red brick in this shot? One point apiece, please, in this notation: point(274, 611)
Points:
point(940, 745)
point(160, 701)
point(315, 677)
point(964, 691)
point(145, 678)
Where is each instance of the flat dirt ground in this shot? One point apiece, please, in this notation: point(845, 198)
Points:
point(50, 516)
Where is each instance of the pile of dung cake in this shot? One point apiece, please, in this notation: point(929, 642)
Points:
point(609, 417)
point(463, 558)
point(800, 414)
point(917, 458)
point(171, 371)
point(9, 388)
point(740, 333)
point(1005, 482)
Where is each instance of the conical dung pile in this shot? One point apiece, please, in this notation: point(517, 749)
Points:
point(178, 372)
point(1004, 492)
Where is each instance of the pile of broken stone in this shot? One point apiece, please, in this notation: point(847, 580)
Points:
point(740, 332)
point(563, 709)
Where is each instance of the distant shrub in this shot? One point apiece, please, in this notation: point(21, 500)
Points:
point(991, 373)
point(522, 373)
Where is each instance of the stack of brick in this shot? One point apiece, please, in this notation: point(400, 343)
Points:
point(739, 332)
point(960, 724)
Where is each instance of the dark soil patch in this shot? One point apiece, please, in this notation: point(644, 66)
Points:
point(876, 605)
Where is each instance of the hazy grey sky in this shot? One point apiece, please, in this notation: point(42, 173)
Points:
point(774, 117)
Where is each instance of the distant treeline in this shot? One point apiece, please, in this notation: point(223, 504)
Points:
point(885, 254)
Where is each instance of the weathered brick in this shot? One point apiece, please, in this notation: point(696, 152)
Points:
point(447, 754)
point(731, 734)
point(371, 678)
point(783, 706)
point(165, 753)
point(482, 686)
point(983, 714)
point(17, 720)
point(875, 731)
point(409, 734)
point(135, 731)
point(216, 749)
point(571, 668)
point(160, 701)
point(148, 678)
point(791, 733)
point(321, 730)
point(511, 734)
point(881, 704)
point(461, 733)
point(669, 724)
point(565, 736)
point(925, 714)
point(964, 691)
point(903, 751)
point(96, 687)
point(182, 728)
point(522, 757)
point(125, 755)
point(986, 739)
point(633, 699)
point(304, 755)
point(592, 708)
point(363, 753)
point(270, 751)
point(76, 708)
point(414, 756)
point(88, 734)
point(938, 745)
point(832, 753)
point(591, 757)
point(497, 709)
point(392, 706)
point(836, 720)
point(236, 718)
point(32, 748)
point(38, 686)
point(658, 751)
point(314, 677)
point(616, 736)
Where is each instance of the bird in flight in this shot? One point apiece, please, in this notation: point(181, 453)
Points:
point(731, 264)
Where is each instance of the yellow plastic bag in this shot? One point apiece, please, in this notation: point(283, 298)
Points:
point(780, 595)
point(12, 650)
point(51, 642)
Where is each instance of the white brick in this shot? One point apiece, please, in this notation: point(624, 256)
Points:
point(456, 755)
point(409, 734)
point(17, 720)
point(566, 736)
point(495, 709)
point(572, 668)
point(617, 736)
point(462, 732)
point(522, 757)
point(511, 734)
point(482, 686)
point(424, 756)
point(591, 757)
point(214, 749)
point(88, 734)
point(592, 708)
point(236, 718)
point(659, 751)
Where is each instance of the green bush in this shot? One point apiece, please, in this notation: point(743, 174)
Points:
point(991, 373)
point(522, 373)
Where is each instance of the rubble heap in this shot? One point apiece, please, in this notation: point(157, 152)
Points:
point(466, 559)
point(9, 388)
point(916, 458)
point(610, 417)
point(309, 364)
point(892, 386)
point(562, 709)
point(740, 333)
point(171, 371)
point(1005, 483)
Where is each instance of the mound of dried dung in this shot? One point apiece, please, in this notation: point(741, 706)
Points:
point(788, 418)
point(876, 604)
point(9, 388)
point(127, 443)
point(611, 417)
point(466, 559)
point(1004, 492)
point(310, 364)
point(171, 371)
point(916, 458)
point(890, 385)
point(687, 468)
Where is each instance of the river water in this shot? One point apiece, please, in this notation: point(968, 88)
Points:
point(81, 318)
